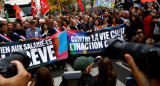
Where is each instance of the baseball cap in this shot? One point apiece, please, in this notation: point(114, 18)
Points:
point(81, 63)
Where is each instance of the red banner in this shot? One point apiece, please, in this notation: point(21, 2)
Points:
point(44, 6)
point(143, 1)
point(34, 8)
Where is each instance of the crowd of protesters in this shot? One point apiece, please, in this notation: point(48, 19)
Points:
point(142, 25)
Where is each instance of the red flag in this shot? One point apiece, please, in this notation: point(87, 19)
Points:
point(19, 12)
point(44, 6)
point(143, 1)
point(34, 9)
point(81, 5)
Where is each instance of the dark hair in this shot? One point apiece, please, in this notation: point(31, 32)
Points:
point(111, 13)
point(1, 25)
point(43, 77)
point(136, 17)
point(116, 19)
point(106, 72)
point(65, 21)
point(18, 20)
point(16, 24)
point(99, 23)
point(42, 27)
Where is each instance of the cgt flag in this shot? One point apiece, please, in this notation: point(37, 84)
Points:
point(19, 12)
point(143, 1)
point(81, 5)
point(44, 6)
point(34, 8)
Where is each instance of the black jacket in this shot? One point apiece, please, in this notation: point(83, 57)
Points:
point(20, 32)
point(87, 26)
point(9, 35)
point(50, 33)
point(75, 28)
point(131, 31)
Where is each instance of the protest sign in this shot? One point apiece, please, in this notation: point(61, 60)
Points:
point(60, 45)
point(40, 52)
point(96, 42)
point(105, 3)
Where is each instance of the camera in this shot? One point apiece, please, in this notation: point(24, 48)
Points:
point(7, 69)
point(147, 57)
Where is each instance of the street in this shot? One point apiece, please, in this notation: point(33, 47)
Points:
point(122, 72)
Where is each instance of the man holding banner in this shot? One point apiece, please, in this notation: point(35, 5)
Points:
point(5, 36)
point(33, 33)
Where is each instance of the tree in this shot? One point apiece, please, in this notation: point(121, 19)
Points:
point(55, 4)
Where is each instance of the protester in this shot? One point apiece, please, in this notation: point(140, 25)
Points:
point(5, 36)
point(21, 33)
point(56, 27)
point(43, 78)
point(114, 22)
point(84, 24)
point(141, 23)
point(46, 32)
point(10, 27)
point(65, 25)
point(134, 25)
point(106, 76)
point(148, 30)
point(33, 33)
point(25, 25)
point(97, 25)
point(106, 25)
point(74, 25)
point(41, 21)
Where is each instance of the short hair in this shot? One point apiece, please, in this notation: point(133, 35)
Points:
point(150, 41)
point(1, 25)
point(65, 21)
point(16, 24)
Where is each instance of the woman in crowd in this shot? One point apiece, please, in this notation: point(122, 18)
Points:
point(74, 25)
point(56, 27)
point(114, 22)
point(43, 78)
point(65, 25)
point(46, 32)
point(134, 25)
point(97, 25)
point(106, 76)
point(106, 24)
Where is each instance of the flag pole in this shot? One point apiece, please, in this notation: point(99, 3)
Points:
point(157, 3)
